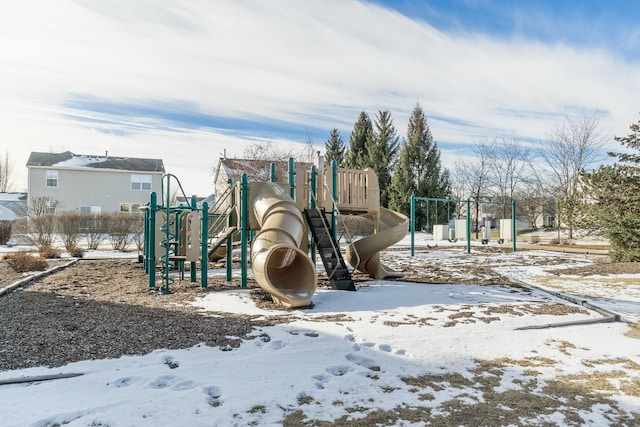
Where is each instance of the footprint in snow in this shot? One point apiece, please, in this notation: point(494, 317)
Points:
point(213, 395)
point(171, 362)
point(122, 382)
point(365, 362)
point(339, 370)
point(184, 385)
point(385, 347)
point(305, 332)
point(320, 380)
point(162, 381)
point(277, 345)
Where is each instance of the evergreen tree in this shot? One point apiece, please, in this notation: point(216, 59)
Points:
point(382, 152)
point(334, 148)
point(356, 156)
point(419, 172)
point(616, 193)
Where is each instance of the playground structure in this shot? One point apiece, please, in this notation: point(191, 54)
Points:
point(462, 226)
point(284, 222)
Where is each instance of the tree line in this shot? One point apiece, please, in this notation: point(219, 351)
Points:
point(548, 178)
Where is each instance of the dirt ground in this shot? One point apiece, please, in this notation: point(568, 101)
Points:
point(90, 295)
point(104, 308)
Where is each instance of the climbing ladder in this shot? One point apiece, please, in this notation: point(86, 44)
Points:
point(329, 250)
point(221, 228)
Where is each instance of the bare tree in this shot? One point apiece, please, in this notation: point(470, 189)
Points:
point(510, 162)
point(6, 171)
point(268, 151)
point(475, 174)
point(531, 200)
point(571, 146)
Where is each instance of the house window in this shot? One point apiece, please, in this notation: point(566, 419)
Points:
point(124, 207)
point(52, 178)
point(141, 182)
point(90, 210)
point(135, 207)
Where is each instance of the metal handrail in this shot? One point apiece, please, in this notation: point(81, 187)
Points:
point(216, 225)
point(349, 237)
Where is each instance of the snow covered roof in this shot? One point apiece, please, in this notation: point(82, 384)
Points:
point(81, 161)
point(13, 197)
point(13, 206)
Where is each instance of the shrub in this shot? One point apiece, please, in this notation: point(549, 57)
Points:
point(138, 230)
point(120, 228)
point(94, 229)
point(41, 230)
point(554, 241)
point(49, 252)
point(23, 262)
point(69, 226)
point(76, 252)
point(5, 231)
point(534, 239)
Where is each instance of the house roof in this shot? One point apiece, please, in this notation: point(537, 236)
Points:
point(81, 161)
point(13, 206)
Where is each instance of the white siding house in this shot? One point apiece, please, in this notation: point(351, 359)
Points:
point(92, 184)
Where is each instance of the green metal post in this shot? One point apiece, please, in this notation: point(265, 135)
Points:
point(413, 223)
point(203, 242)
point(274, 172)
point(204, 257)
point(178, 222)
point(312, 202)
point(334, 175)
point(244, 228)
point(468, 226)
point(229, 248)
point(145, 252)
point(513, 224)
point(167, 264)
point(292, 179)
point(151, 261)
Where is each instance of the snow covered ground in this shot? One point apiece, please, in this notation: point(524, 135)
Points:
point(393, 353)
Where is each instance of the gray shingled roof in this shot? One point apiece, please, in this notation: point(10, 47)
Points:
point(254, 168)
point(79, 161)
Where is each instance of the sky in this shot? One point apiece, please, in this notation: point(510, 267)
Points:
point(189, 81)
point(355, 352)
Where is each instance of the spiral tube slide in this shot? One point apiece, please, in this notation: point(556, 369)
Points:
point(279, 265)
point(364, 254)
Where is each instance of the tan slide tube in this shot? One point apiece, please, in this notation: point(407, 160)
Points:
point(364, 254)
point(279, 265)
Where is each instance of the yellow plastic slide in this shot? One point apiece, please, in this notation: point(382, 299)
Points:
point(364, 254)
point(279, 265)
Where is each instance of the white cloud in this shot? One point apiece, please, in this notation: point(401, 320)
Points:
point(313, 63)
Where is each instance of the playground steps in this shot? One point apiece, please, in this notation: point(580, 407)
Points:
point(220, 239)
point(329, 250)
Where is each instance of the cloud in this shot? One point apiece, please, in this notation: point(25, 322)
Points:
point(143, 77)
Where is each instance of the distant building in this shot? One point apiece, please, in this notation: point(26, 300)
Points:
point(256, 170)
point(13, 206)
point(92, 184)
